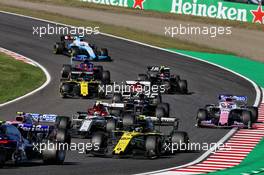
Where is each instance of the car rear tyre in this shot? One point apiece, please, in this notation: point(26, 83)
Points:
point(76, 90)
point(128, 120)
point(201, 116)
point(167, 87)
point(58, 48)
point(106, 77)
point(99, 141)
point(99, 72)
point(152, 146)
point(62, 122)
point(53, 155)
point(246, 118)
point(180, 141)
point(117, 98)
point(254, 113)
point(61, 135)
point(66, 70)
point(183, 86)
point(102, 91)
point(65, 90)
point(110, 125)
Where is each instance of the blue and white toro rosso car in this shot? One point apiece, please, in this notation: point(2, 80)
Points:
point(231, 111)
point(61, 122)
point(75, 46)
point(23, 142)
point(22, 139)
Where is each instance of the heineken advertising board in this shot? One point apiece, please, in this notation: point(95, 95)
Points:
point(205, 8)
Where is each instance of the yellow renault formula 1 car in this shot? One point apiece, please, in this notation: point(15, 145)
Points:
point(81, 85)
point(141, 136)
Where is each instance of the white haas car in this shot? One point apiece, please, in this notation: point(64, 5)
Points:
point(101, 117)
point(231, 111)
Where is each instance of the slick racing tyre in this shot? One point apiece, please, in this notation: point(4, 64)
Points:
point(53, 155)
point(66, 70)
point(153, 147)
point(106, 79)
point(58, 48)
point(167, 87)
point(65, 90)
point(110, 125)
point(76, 90)
point(61, 135)
point(183, 86)
point(128, 120)
point(102, 93)
point(246, 118)
point(201, 116)
point(62, 122)
point(117, 98)
point(99, 73)
point(254, 113)
point(99, 143)
point(180, 141)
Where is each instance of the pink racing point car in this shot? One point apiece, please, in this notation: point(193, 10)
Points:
point(231, 111)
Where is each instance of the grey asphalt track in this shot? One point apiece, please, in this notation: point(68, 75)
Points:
point(205, 83)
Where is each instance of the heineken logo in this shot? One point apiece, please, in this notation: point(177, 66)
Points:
point(216, 10)
point(213, 11)
point(121, 3)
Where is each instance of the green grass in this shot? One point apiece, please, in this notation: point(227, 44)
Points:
point(17, 78)
point(157, 40)
point(204, 20)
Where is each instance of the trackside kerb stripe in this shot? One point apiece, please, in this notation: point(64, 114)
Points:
point(257, 100)
point(28, 61)
point(17, 56)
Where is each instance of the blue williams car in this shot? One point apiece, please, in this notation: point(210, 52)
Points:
point(75, 46)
